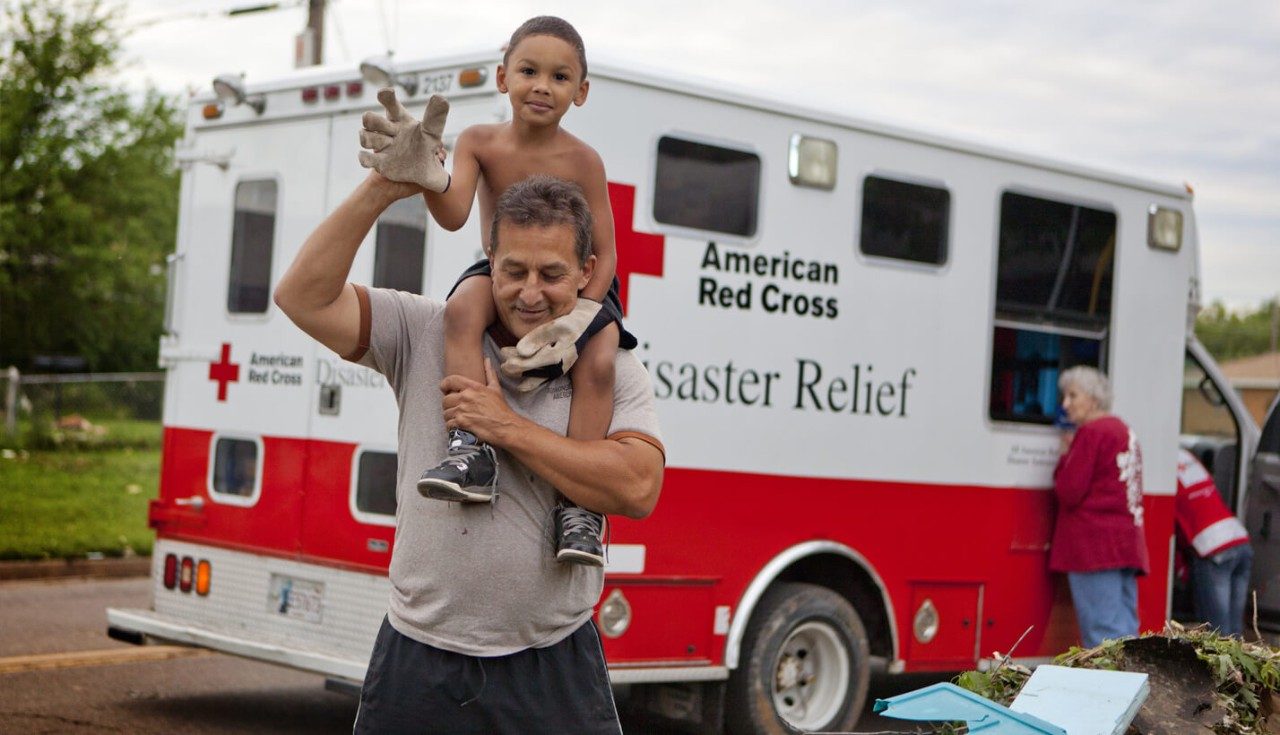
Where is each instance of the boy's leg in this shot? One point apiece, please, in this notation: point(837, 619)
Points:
point(469, 472)
point(577, 529)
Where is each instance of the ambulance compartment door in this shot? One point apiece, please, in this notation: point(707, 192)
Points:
point(235, 443)
point(349, 509)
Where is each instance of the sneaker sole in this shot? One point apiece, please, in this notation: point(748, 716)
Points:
point(573, 556)
point(439, 490)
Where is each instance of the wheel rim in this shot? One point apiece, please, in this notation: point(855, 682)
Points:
point(810, 676)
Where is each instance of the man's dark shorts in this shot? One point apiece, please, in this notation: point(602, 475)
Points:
point(411, 687)
point(610, 308)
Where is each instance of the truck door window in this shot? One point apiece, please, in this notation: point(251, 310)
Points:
point(904, 221)
point(1053, 301)
point(1209, 429)
point(376, 483)
point(706, 187)
point(252, 239)
point(400, 246)
point(235, 469)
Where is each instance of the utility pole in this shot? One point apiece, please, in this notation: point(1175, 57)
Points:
point(308, 48)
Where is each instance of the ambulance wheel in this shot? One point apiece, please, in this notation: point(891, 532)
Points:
point(804, 665)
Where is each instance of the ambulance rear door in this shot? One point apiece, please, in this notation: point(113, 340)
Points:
point(237, 397)
point(349, 510)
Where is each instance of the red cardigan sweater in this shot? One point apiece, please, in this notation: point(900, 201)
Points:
point(1098, 486)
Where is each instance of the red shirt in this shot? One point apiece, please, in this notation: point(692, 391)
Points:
point(1204, 521)
point(1098, 486)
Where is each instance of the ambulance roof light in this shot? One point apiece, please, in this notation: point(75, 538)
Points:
point(380, 72)
point(230, 87)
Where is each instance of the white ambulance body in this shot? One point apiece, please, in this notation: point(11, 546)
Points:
point(854, 333)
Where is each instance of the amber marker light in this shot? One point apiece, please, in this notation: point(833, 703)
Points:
point(204, 574)
point(468, 78)
point(212, 111)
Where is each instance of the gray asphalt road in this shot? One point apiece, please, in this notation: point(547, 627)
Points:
point(199, 694)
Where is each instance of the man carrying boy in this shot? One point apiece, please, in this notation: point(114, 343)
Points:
point(485, 633)
point(543, 73)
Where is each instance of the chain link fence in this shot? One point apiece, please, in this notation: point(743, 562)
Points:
point(81, 409)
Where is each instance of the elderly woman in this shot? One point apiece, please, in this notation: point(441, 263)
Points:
point(1097, 538)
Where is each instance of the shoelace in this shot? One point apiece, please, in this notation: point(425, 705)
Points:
point(584, 522)
point(461, 460)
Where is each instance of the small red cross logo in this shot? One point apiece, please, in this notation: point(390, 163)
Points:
point(224, 371)
point(638, 252)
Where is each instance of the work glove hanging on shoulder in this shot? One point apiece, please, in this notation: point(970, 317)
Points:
point(403, 149)
point(549, 350)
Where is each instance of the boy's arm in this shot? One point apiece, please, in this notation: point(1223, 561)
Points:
point(451, 208)
point(314, 292)
point(596, 189)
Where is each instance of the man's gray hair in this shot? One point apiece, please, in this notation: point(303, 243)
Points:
point(545, 201)
point(1090, 381)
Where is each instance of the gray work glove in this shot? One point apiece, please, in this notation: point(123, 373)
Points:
point(549, 350)
point(403, 149)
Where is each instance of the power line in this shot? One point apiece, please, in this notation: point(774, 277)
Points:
point(227, 13)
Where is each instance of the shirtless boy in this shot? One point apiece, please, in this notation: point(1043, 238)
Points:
point(543, 73)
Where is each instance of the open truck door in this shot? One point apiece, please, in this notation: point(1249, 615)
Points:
point(1262, 518)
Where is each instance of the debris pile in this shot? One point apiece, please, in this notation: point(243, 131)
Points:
point(1200, 681)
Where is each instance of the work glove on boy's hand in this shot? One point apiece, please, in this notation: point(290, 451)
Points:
point(549, 350)
point(404, 149)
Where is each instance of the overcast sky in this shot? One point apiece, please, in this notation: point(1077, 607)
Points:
point(1178, 90)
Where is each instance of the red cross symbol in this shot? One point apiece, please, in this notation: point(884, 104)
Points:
point(224, 371)
point(638, 252)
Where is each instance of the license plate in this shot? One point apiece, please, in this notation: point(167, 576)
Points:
point(300, 599)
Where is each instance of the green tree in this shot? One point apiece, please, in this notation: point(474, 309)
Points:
point(88, 191)
point(1231, 334)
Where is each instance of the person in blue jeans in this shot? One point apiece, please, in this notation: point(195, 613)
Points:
point(1098, 539)
point(1217, 545)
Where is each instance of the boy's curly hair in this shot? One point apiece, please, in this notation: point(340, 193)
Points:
point(549, 25)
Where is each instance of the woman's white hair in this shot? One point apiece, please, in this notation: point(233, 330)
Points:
point(1087, 380)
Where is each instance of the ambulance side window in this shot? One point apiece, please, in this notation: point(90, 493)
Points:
point(904, 221)
point(252, 239)
point(400, 246)
point(1053, 301)
point(376, 483)
point(235, 467)
point(706, 187)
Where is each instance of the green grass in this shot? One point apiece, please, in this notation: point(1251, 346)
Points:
point(87, 496)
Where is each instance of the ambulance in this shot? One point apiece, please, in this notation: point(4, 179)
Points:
point(854, 332)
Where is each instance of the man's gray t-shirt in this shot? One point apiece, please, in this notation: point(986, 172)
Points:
point(477, 578)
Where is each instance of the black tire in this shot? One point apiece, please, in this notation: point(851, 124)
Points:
point(804, 665)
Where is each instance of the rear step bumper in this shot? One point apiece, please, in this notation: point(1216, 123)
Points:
point(135, 626)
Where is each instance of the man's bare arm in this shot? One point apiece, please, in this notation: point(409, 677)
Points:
point(622, 476)
point(314, 292)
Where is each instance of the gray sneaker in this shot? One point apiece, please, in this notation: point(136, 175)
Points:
point(468, 475)
point(578, 536)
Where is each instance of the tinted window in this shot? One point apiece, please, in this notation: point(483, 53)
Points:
point(1056, 260)
point(400, 246)
point(235, 467)
point(376, 483)
point(706, 187)
point(252, 238)
point(904, 221)
point(1053, 302)
point(1025, 368)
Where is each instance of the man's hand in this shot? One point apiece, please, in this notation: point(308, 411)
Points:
point(402, 148)
point(549, 350)
point(478, 408)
